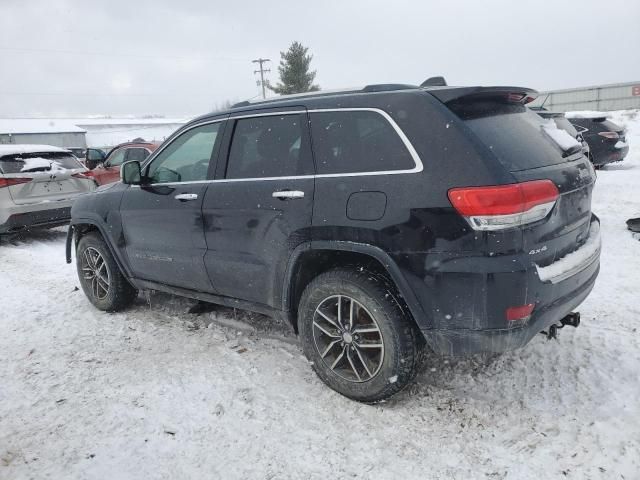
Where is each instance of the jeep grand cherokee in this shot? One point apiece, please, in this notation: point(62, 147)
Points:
point(375, 220)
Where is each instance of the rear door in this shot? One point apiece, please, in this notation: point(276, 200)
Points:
point(162, 218)
point(258, 210)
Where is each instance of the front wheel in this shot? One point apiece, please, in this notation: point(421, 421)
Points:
point(358, 338)
point(100, 277)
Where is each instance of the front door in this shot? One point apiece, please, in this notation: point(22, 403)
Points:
point(162, 218)
point(259, 207)
point(109, 170)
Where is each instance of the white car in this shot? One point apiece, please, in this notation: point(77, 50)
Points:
point(38, 184)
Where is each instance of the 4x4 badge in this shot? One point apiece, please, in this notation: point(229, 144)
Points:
point(538, 250)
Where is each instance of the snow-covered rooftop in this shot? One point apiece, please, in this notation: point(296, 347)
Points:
point(587, 114)
point(128, 121)
point(12, 149)
point(100, 131)
point(38, 125)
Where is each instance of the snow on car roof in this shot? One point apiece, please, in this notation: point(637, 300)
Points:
point(586, 114)
point(99, 121)
point(13, 149)
point(37, 125)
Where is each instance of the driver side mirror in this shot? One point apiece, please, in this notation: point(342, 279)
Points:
point(94, 157)
point(130, 173)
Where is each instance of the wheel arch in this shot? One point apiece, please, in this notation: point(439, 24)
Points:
point(81, 227)
point(313, 258)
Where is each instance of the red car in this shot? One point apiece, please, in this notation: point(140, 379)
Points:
point(106, 169)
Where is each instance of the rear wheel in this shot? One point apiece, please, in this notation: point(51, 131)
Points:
point(100, 277)
point(357, 336)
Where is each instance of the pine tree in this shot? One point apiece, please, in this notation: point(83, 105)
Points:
point(295, 76)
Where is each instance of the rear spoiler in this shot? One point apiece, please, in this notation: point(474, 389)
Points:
point(508, 94)
point(548, 114)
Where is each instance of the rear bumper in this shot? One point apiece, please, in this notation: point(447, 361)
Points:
point(20, 217)
point(469, 309)
point(610, 155)
point(498, 340)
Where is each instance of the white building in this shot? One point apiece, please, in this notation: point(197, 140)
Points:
point(59, 133)
point(80, 133)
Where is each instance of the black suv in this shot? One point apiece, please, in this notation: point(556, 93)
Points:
point(563, 123)
point(374, 220)
point(606, 139)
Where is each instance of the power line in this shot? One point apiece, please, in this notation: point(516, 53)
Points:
point(102, 94)
point(114, 54)
point(262, 72)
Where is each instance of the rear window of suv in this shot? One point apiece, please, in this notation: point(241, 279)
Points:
point(609, 125)
point(513, 133)
point(38, 162)
point(357, 141)
point(566, 125)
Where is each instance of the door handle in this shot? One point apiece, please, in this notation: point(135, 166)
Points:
point(287, 194)
point(186, 197)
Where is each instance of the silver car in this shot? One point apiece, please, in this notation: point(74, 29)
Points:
point(37, 186)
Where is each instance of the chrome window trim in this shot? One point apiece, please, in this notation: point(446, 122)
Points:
point(412, 151)
point(268, 114)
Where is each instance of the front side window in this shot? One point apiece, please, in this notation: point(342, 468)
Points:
point(137, 154)
point(270, 146)
point(357, 141)
point(116, 158)
point(187, 158)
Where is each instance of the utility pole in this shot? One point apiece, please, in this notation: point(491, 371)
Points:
point(262, 71)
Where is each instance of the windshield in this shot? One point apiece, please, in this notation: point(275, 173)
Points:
point(519, 138)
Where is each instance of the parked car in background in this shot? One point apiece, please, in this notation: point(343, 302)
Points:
point(563, 123)
point(106, 168)
point(79, 153)
point(606, 139)
point(38, 184)
point(453, 216)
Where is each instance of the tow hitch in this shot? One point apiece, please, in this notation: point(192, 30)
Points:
point(571, 320)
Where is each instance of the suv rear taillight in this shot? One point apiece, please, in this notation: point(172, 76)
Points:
point(7, 182)
point(504, 206)
point(611, 135)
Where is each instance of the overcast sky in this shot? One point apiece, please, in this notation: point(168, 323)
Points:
point(183, 57)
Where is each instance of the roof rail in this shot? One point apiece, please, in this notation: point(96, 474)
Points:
point(381, 87)
point(386, 87)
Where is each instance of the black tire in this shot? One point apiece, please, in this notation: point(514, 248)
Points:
point(119, 294)
point(376, 297)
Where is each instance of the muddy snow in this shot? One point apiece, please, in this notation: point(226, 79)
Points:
point(159, 393)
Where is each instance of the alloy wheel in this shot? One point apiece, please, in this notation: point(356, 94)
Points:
point(348, 338)
point(96, 272)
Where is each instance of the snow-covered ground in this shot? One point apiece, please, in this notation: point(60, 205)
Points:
point(156, 392)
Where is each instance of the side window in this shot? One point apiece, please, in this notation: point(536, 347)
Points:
point(270, 146)
point(116, 158)
point(187, 158)
point(357, 141)
point(139, 154)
